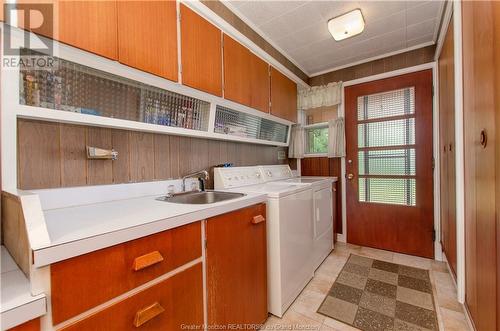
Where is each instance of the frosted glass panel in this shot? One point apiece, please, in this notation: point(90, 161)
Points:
point(235, 123)
point(72, 87)
point(387, 133)
point(387, 104)
point(387, 162)
point(387, 174)
point(398, 191)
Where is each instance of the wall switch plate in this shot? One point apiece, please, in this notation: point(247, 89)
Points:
point(281, 155)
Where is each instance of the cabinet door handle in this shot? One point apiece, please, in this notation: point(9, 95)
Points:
point(147, 260)
point(258, 219)
point(146, 314)
point(483, 138)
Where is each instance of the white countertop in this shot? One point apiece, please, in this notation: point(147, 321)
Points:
point(17, 303)
point(77, 230)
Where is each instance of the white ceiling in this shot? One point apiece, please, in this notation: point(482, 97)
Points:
point(299, 29)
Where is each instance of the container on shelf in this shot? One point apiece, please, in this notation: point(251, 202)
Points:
point(235, 123)
point(76, 88)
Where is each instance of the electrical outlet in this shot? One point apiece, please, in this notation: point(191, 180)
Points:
point(281, 155)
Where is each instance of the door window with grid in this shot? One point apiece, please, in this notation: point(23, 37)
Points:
point(386, 147)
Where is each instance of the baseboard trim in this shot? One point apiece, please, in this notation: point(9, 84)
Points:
point(341, 238)
point(453, 276)
point(468, 317)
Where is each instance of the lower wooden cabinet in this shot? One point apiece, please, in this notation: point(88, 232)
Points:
point(236, 276)
point(237, 268)
point(83, 282)
point(174, 304)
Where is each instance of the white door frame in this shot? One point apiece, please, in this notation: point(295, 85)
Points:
point(435, 120)
point(459, 151)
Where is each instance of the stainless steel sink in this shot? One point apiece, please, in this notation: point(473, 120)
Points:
point(200, 198)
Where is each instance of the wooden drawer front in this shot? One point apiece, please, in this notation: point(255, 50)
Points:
point(33, 325)
point(86, 281)
point(169, 305)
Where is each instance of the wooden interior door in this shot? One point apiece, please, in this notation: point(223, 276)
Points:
point(389, 164)
point(446, 67)
point(481, 97)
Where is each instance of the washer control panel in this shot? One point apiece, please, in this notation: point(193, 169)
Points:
point(276, 172)
point(232, 177)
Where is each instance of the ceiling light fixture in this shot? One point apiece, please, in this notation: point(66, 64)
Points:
point(346, 25)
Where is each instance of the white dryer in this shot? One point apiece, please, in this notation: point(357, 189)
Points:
point(289, 232)
point(322, 217)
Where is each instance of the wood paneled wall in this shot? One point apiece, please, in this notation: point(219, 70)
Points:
point(447, 148)
point(54, 155)
point(391, 63)
point(323, 166)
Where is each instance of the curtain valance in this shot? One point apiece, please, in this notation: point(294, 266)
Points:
point(319, 96)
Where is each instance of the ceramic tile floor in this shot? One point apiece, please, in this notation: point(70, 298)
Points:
point(302, 314)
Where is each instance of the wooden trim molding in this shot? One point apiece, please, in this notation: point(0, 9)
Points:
point(387, 64)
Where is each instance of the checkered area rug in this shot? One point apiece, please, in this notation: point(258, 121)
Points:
point(374, 295)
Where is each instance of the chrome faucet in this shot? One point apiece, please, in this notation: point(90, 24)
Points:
point(202, 176)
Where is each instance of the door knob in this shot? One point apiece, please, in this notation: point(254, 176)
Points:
point(350, 176)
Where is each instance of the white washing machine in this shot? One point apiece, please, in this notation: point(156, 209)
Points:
point(322, 206)
point(289, 232)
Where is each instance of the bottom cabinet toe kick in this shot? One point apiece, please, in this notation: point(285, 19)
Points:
point(180, 279)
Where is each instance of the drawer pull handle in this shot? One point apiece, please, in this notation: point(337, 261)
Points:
point(258, 219)
point(146, 314)
point(147, 260)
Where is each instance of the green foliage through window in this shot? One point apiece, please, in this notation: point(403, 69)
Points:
point(317, 140)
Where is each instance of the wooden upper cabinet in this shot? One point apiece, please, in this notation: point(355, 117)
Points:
point(89, 25)
point(201, 49)
point(147, 36)
point(246, 76)
point(260, 84)
point(283, 96)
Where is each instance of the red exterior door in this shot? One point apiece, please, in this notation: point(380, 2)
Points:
point(389, 164)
